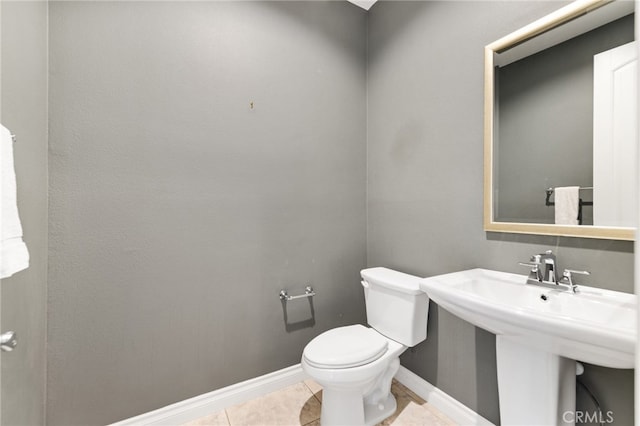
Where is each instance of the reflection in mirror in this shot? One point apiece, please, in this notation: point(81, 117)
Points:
point(560, 125)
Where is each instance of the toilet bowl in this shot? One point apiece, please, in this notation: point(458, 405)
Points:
point(356, 386)
point(356, 364)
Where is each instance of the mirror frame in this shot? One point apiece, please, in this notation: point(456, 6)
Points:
point(555, 19)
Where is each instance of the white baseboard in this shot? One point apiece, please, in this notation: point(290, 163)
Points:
point(449, 406)
point(209, 403)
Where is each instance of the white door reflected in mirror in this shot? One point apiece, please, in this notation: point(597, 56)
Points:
point(615, 107)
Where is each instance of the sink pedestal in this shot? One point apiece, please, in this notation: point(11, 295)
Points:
point(534, 386)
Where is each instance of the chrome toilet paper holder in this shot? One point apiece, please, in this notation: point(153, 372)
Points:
point(308, 292)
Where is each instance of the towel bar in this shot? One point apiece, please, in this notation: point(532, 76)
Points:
point(548, 202)
point(308, 292)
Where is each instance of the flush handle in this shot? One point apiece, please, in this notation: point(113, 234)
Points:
point(8, 341)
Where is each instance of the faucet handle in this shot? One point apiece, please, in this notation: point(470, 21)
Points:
point(567, 272)
point(573, 271)
point(567, 277)
point(535, 275)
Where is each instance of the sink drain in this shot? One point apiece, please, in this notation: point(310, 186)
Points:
point(543, 297)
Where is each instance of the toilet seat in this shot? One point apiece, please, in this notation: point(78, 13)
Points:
point(345, 347)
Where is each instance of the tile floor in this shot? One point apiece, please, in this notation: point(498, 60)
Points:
point(299, 404)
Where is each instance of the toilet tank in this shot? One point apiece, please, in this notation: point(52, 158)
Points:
point(396, 307)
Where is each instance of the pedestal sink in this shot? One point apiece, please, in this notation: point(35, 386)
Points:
point(540, 333)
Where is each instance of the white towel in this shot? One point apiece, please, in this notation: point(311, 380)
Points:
point(14, 256)
point(567, 200)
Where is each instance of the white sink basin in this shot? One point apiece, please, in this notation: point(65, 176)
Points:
point(593, 325)
point(540, 332)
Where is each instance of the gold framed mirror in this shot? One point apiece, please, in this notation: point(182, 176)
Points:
point(540, 141)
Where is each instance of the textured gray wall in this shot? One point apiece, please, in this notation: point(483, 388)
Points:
point(177, 212)
point(545, 128)
point(152, 130)
point(23, 95)
point(425, 118)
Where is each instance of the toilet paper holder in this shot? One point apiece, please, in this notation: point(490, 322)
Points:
point(308, 292)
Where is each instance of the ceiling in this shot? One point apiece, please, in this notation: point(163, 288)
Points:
point(365, 4)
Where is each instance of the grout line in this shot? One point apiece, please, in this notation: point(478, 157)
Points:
point(307, 386)
point(304, 382)
point(312, 392)
point(411, 394)
point(317, 399)
point(226, 414)
point(400, 388)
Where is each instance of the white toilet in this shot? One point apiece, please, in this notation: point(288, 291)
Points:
point(355, 364)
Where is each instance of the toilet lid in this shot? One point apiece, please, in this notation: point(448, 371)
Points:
point(345, 347)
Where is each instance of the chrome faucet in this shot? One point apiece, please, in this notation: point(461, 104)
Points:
point(548, 259)
point(544, 272)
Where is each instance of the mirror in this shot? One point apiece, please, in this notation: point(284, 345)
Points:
point(560, 124)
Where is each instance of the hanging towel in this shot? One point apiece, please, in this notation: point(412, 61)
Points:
point(14, 256)
point(567, 200)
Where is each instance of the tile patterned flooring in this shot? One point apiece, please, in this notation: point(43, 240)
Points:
point(299, 404)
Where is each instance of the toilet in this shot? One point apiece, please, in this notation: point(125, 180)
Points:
point(355, 364)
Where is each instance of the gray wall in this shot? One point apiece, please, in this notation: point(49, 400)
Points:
point(24, 111)
point(177, 212)
point(151, 129)
point(425, 103)
point(545, 125)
